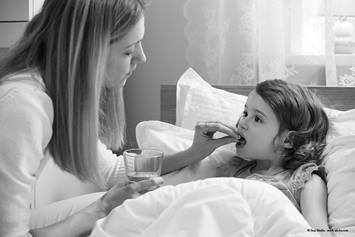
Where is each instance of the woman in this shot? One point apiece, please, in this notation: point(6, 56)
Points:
point(61, 98)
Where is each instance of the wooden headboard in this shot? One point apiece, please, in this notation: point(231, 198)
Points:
point(341, 98)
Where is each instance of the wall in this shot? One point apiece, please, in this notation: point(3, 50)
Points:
point(14, 16)
point(164, 45)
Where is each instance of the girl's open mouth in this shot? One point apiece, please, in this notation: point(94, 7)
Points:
point(241, 142)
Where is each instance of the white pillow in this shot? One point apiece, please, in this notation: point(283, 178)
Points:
point(340, 167)
point(197, 101)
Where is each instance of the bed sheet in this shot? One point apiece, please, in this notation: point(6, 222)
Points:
point(211, 207)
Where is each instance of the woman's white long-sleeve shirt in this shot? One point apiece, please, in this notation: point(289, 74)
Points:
point(26, 117)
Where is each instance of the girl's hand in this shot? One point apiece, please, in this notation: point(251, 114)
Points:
point(119, 193)
point(204, 144)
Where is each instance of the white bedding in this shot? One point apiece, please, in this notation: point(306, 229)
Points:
point(227, 206)
point(197, 100)
point(216, 207)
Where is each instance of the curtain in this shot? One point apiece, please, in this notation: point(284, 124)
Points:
point(247, 41)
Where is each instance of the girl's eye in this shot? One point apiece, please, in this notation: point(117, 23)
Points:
point(258, 119)
point(245, 114)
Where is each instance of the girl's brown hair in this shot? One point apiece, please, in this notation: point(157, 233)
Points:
point(299, 111)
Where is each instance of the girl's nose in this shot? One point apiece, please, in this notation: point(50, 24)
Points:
point(242, 124)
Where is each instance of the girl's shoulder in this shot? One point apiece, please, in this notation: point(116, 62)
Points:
point(303, 174)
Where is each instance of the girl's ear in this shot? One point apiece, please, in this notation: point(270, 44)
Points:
point(286, 139)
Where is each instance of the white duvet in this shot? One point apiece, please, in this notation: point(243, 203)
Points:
point(215, 207)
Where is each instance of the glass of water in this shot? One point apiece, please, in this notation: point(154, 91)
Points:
point(142, 164)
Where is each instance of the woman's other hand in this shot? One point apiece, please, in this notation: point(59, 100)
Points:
point(119, 193)
point(204, 143)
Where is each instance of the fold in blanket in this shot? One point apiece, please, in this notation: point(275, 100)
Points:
point(212, 207)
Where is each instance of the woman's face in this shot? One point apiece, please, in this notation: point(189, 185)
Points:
point(124, 56)
point(258, 126)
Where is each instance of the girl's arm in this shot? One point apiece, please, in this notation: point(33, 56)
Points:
point(314, 204)
point(203, 145)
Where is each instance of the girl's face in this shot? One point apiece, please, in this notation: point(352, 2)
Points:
point(258, 126)
point(124, 56)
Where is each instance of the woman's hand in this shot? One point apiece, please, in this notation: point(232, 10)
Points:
point(119, 193)
point(204, 144)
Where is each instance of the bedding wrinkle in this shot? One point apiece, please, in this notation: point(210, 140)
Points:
point(216, 207)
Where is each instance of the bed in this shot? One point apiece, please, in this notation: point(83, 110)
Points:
point(195, 203)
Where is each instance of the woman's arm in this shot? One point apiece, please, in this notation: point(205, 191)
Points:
point(179, 160)
point(25, 130)
point(81, 223)
point(203, 145)
point(314, 204)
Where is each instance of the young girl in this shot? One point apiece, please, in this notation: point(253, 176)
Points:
point(282, 135)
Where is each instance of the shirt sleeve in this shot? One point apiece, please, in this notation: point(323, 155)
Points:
point(26, 117)
point(111, 167)
point(301, 176)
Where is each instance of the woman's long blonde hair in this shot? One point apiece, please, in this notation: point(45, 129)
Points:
point(68, 43)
